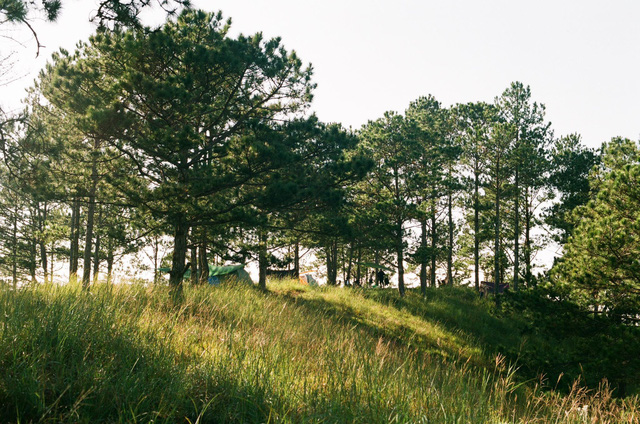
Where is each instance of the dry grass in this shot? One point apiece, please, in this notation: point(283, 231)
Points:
point(235, 354)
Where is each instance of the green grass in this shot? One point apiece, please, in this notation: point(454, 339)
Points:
point(293, 354)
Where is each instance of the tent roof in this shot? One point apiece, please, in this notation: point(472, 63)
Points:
point(223, 270)
point(213, 270)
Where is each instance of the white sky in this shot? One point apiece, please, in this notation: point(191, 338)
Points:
point(581, 58)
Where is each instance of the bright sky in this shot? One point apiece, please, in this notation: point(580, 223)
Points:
point(581, 58)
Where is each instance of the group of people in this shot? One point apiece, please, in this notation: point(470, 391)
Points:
point(381, 279)
point(376, 279)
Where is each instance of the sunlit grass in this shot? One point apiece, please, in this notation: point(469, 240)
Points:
point(236, 354)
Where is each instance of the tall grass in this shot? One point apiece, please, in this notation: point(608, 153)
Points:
point(236, 354)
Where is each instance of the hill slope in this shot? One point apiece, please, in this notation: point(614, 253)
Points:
point(236, 354)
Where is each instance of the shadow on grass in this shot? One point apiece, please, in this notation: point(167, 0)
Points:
point(452, 325)
point(73, 358)
point(457, 309)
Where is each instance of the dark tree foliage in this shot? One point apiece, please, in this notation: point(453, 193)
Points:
point(108, 13)
point(564, 342)
point(114, 12)
point(600, 265)
point(571, 163)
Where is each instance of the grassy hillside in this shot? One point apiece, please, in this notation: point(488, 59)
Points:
point(293, 354)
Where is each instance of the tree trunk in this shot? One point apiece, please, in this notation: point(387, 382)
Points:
point(262, 259)
point(334, 255)
point(203, 261)
point(14, 253)
point(358, 281)
point(497, 238)
point(400, 257)
point(33, 259)
point(296, 258)
point(348, 277)
point(516, 237)
point(332, 263)
point(52, 247)
point(180, 236)
point(110, 260)
point(43, 256)
point(476, 231)
point(42, 219)
point(433, 245)
point(527, 241)
point(86, 267)
point(96, 255)
point(156, 264)
point(195, 268)
point(450, 247)
point(75, 240)
point(423, 256)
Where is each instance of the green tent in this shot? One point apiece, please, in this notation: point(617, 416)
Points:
point(220, 274)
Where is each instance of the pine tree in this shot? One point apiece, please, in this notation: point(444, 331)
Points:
point(429, 123)
point(571, 163)
point(528, 156)
point(600, 266)
point(474, 122)
point(393, 149)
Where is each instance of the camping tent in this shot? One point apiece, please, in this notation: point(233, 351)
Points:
point(221, 274)
point(308, 278)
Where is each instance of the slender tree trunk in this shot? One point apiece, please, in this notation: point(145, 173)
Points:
point(400, 257)
point(43, 256)
point(433, 245)
point(348, 277)
point(86, 268)
point(42, 219)
point(423, 256)
point(476, 231)
point(358, 271)
point(296, 258)
point(53, 246)
point(110, 260)
point(341, 255)
point(527, 241)
point(195, 268)
point(180, 236)
point(334, 255)
point(203, 261)
point(156, 263)
point(497, 236)
point(14, 253)
point(450, 247)
point(330, 272)
point(516, 237)
point(262, 259)
point(33, 259)
point(96, 255)
point(332, 263)
point(75, 240)
point(72, 240)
